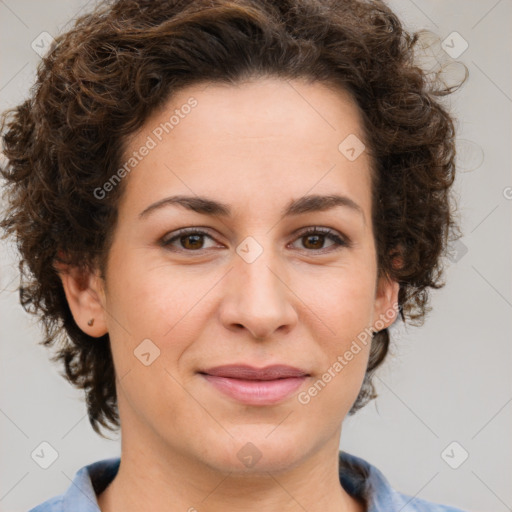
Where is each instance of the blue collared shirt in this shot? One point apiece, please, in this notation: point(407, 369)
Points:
point(358, 477)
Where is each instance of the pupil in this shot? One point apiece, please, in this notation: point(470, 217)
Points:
point(317, 237)
point(197, 239)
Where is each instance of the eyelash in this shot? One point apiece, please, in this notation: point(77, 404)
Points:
point(338, 240)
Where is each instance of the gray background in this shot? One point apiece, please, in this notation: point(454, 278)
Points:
point(446, 381)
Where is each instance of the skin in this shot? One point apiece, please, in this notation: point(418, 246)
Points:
point(254, 146)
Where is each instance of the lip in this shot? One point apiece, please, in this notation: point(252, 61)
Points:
point(255, 386)
point(248, 372)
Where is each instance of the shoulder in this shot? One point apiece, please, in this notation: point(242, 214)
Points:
point(362, 479)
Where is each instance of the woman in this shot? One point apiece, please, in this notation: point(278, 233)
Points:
point(221, 207)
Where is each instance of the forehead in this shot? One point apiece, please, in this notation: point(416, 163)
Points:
point(262, 108)
point(262, 139)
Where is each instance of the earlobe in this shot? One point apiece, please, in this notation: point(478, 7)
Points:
point(85, 296)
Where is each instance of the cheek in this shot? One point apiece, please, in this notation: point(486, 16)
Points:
point(343, 306)
point(342, 301)
point(345, 347)
point(156, 303)
point(145, 298)
point(150, 321)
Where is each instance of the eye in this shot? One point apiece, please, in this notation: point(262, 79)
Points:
point(192, 240)
point(315, 238)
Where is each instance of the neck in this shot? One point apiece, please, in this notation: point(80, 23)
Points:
point(161, 479)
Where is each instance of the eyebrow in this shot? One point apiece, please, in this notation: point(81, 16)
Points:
point(304, 204)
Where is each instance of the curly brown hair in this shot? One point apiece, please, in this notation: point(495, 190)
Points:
point(118, 64)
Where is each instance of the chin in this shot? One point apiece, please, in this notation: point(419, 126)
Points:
point(256, 454)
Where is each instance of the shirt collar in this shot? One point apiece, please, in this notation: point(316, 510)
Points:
point(87, 483)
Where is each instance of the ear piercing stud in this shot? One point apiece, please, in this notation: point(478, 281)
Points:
point(90, 322)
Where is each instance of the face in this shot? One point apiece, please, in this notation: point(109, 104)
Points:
point(277, 281)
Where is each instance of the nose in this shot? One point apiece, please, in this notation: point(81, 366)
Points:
point(258, 299)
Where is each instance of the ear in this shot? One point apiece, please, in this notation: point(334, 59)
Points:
point(86, 298)
point(386, 303)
